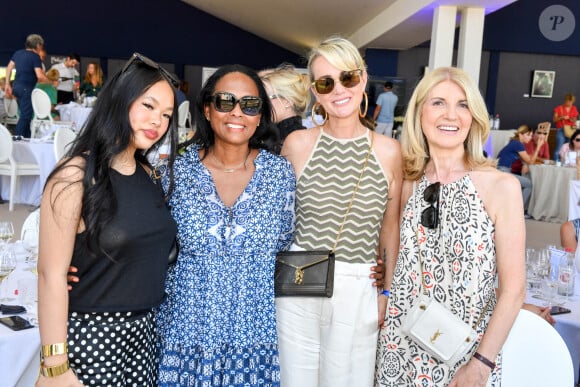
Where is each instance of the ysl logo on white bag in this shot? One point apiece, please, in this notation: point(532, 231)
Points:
point(435, 336)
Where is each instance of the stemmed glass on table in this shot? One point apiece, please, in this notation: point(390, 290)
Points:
point(550, 280)
point(536, 267)
point(30, 243)
point(6, 231)
point(7, 264)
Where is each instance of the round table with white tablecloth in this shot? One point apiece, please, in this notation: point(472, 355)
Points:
point(568, 325)
point(30, 151)
point(19, 350)
point(73, 112)
point(550, 192)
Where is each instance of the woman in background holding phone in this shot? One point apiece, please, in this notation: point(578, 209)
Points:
point(564, 115)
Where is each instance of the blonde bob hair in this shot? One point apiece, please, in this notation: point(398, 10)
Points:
point(339, 52)
point(343, 55)
point(286, 82)
point(414, 146)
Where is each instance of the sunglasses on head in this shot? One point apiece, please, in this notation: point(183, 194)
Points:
point(225, 102)
point(347, 79)
point(136, 57)
point(430, 215)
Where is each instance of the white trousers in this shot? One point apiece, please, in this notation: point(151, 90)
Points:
point(330, 342)
point(385, 128)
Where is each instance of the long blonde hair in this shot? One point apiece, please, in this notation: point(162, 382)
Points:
point(414, 146)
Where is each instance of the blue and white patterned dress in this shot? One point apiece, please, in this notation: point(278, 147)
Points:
point(218, 324)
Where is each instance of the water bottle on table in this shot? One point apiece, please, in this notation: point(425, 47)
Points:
point(566, 274)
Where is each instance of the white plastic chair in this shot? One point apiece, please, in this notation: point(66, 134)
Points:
point(534, 355)
point(42, 112)
point(12, 168)
point(183, 120)
point(63, 137)
point(11, 116)
point(41, 106)
point(30, 228)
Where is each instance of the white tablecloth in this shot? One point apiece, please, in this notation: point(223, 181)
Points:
point(19, 350)
point(550, 192)
point(30, 186)
point(574, 200)
point(568, 325)
point(75, 113)
point(496, 141)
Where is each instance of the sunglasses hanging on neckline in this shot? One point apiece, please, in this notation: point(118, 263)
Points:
point(430, 215)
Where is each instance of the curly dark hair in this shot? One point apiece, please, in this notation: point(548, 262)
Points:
point(266, 135)
point(106, 134)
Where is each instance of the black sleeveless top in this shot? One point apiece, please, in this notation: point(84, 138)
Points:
point(138, 240)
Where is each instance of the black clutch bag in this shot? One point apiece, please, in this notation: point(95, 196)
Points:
point(304, 274)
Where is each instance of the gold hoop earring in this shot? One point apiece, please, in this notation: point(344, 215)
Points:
point(315, 108)
point(361, 113)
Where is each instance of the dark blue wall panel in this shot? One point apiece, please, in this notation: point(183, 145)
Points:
point(516, 28)
point(166, 30)
point(381, 62)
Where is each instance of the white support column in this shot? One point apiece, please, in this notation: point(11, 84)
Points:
point(442, 37)
point(471, 41)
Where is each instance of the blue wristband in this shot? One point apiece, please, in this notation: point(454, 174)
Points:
point(386, 293)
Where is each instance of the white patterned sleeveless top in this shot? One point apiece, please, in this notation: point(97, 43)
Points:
point(324, 190)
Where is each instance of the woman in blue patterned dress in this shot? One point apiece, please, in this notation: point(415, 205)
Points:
point(234, 206)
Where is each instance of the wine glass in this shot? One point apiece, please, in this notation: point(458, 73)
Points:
point(6, 231)
point(549, 278)
point(532, 278)
point(7, 264)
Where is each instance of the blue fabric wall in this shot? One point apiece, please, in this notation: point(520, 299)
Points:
point(165, 30)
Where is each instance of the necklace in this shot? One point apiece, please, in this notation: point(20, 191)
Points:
point(231, 169)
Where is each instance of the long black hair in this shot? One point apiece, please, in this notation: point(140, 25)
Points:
point(106, 134)
point(266, 135)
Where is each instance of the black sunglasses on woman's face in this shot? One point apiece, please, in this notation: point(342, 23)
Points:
point(430, 215)
point(225, 102)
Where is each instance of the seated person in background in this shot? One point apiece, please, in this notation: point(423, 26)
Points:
point(543, 131)
point(93, 81)
point(571, 146)
point(569, 234)
point(51, 89)
point(514, 150)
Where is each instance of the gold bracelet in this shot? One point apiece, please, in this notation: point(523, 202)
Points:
point(54, 349)
point(51, 372)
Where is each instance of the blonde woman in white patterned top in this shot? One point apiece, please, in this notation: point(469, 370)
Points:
point(332, 341)
point(464, 219)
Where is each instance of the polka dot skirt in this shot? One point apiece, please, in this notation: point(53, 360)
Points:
point(113, 349)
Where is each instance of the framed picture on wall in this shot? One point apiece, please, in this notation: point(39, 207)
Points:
point(543, 83)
